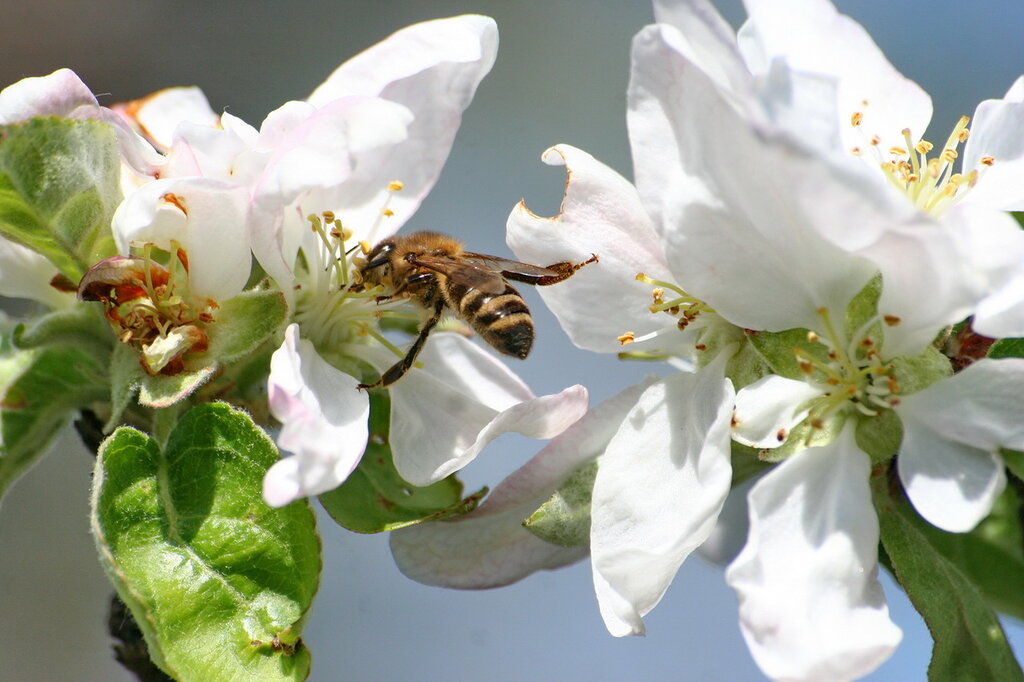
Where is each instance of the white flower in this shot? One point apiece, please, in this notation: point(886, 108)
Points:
point(811, 606)
point(803, 69)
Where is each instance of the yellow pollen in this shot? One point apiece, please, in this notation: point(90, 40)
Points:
point(964, 134)
point(365, 247)
point(395, 186)
point(988, 161)
point(387, 211)
point(891, 320)
point(897, 151)
point(856, 151)
point(628, 337)
point(856, 119)
point(924, 146)
point(812, 337)
point(949, 155)
point(875, 140)
point(328, 216)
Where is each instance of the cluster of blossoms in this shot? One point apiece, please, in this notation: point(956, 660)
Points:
point(814, 269)
point(306, 195)
point(807, 254)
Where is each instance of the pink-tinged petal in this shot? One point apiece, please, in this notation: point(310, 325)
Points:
point(660, 486)
point(489, 547)
point(601, 214)
point(27, 274)
point(432, 68)
point(811, 36)
point(768, 409)
point(324, 422)
point(319, 148)
point(57, 94)
point(811, 606)
point(443, 414)
point(752, 245)
point(205, 217)
point(952, 432)
point(997, 130)
point(159, 114)
point(215, 152)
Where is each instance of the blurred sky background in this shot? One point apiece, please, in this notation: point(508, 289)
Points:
point(561, 76)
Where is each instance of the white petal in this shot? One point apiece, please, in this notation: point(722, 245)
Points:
point(324, 422)
point(705, 38)
point(811, 606)
point(432, 68)
point(660, 486)
point(991, 246)
point(25, 273)
point(758, 247)
point(952, 431)
point(997, 130)
point(489, 547)
point(443, 414)
point(600, 214)
point(206, 217)
point(159, 114)
point(768, 409)
point(952, 485)
point(811, 36)
point(57, 94)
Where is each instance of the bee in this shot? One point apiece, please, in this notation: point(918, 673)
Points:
point(435, 271)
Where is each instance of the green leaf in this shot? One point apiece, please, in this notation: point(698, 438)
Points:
point(863, 309)
point(777, 349)
point(78, 325)
point(969, 641)
point(59, 186)
point(375, 498)
point(1014, 462)
point(219, 582)
point(564, 520)
point(40, 389)
point(1007, 348)
point(244, 322)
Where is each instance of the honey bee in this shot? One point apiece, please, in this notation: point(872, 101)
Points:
point(437, 273)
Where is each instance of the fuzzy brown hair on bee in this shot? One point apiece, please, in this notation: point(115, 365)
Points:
point(436, 272)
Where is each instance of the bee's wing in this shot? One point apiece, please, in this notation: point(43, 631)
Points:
point(513, 269)
point(483, 278)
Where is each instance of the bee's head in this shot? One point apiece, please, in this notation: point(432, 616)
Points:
point(378, 262)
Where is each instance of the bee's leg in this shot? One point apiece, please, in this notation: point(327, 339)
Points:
point(565, 270)
point(398, 370)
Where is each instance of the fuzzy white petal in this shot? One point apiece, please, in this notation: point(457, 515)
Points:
point(489, 546)
point(811, 606)
point(767, 410)
point(324, 422)
point(601, 214)
point(660, 486)
point(445, 413)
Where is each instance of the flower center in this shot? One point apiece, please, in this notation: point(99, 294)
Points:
point(681, 306)
point(332, 305)
point(929, 182)
point(849, 374)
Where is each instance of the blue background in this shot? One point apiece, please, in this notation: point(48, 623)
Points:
point(560, 77)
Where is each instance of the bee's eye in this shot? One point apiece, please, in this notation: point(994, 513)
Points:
point(380, 256)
